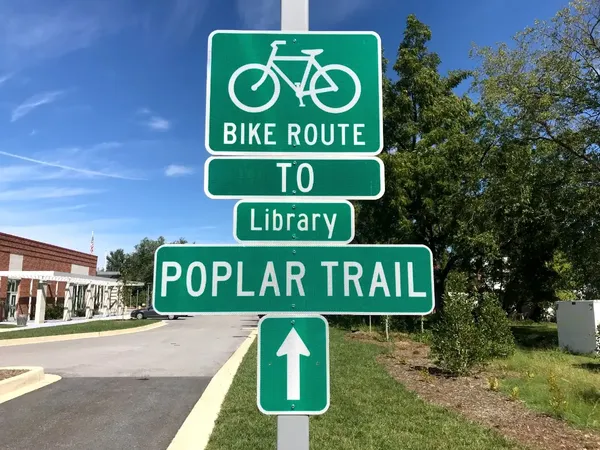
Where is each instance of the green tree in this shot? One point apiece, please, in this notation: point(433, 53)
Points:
point(432, 163)
point(458, 344)
point(141, 260)
point(115, 260)
point(498, 340)
point(542, 101)
point(548, 85)
point(139, 264)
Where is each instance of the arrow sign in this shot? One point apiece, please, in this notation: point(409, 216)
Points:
point(292, 347)
point(291, 379)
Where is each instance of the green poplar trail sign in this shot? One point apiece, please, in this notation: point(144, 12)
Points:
point(293, 223)
point(293, 365)
point(294, 92)
point(259, 279)
point(239, 177)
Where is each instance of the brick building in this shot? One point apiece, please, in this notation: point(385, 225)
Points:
point(26, 266)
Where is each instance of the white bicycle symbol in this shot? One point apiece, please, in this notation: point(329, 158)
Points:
point(272, 70)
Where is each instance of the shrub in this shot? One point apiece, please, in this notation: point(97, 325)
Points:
point(493, 384)
point(54, 312)
point(558, 400)
point(497, 336)
point(515, 393)
point(457, 342)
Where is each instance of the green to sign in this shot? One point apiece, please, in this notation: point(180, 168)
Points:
point(293, 223)
point(294, 92)
point(242, 177)
point(259, 279)
point(293, 365)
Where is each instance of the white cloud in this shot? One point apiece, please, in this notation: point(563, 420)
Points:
point(153, 121)
point(4, 78)
point(43, 192)
point(185, 16)
point(31, 31)
point(19, 172)
point(69, 168)
point(259, 14)
point(65, 208)
point(34, 102)
point(106, 146)
point(175, 170)
point(157, 123)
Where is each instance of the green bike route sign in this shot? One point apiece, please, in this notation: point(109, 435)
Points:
point(259, 279)
point(294, 92)
point(293, 223)
point(242, 177)
point(293, 365)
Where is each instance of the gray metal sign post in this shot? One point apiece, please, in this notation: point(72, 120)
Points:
point(292, 431)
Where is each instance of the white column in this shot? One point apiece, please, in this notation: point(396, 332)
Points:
point(40, 303)
point(109, 304)
point(117, 303)
point(89, 302)
point(105, 300)
point(30, 294)
point(68, 302)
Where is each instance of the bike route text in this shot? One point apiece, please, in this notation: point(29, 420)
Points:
point(297, 135)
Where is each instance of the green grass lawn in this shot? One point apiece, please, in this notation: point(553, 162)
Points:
point(88, 327)
point(369, 411)
point(7, 325)
point(578, 377)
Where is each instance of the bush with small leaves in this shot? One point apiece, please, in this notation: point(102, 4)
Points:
point(493, 384)
point(495, 327)
point(558, 400)
point(515, 393)
point(457, 342)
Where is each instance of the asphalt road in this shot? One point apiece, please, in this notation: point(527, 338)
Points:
point(122, 392)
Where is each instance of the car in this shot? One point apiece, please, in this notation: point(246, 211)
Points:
point(150, 313)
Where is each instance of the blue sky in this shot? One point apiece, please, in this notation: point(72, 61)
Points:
point(102, 104)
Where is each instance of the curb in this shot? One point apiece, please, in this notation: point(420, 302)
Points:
point(70, 337)
point(32, 376)
point(195, 432)
point(25, 383)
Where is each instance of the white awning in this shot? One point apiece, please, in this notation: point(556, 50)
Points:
point(60, 276)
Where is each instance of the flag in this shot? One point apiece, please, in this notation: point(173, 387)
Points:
point(92, 244)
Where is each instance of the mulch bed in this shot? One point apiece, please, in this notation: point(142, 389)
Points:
point(408, 362)
point(4, 374)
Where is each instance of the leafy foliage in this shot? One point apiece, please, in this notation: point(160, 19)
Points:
point(431, 160)
point(458, 343)
point(493, 322)
point(472, 330)
point(139, 264)
point(541, 98)
point(115, 261)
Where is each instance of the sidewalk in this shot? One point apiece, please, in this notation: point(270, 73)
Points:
point(57, 323)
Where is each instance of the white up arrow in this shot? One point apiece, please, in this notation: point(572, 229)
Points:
point(293, 347)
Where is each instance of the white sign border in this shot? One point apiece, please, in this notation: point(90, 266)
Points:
point(293, 412)
point(301, 159)
point(295, 242)
point(275, 153)
point(323, 313)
